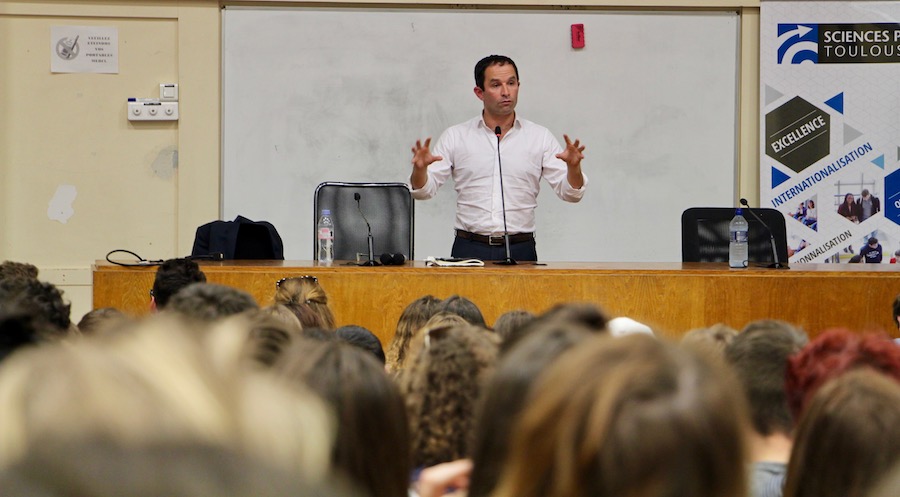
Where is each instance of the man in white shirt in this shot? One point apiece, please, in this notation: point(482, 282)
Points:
point(469, 152)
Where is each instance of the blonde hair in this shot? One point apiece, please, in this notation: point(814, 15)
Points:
point(411, 321)
point(162, 383)
point(306, 291)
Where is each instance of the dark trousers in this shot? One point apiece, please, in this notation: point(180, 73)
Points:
point(469, 249)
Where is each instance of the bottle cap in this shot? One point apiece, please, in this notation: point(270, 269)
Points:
point(326, 212)
point(739, 212)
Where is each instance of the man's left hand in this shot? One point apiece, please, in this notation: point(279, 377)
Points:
point(573, 153)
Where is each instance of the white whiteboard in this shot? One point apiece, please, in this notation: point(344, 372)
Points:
point(341, 94)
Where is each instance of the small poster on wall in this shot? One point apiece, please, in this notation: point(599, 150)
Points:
point(84, 49)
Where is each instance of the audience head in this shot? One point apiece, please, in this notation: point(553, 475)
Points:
point(41, 300)
point(510, 322)
point(413, 318)
point(20, 329)
point(271, 331)
point(103, 320)
point(441, 385)
point(172, 276)
point(505, 394)
point(463, 308)
point(362, 338)
point(712, 340)
point(372, 444)
point(11, 269)
point(759, 356)
point(583, 314)
point(847, 438)
point(100, 467)
point(306, 293)
point(160, 383)
point(629, 416)
point(832, 354)
point(208, 302)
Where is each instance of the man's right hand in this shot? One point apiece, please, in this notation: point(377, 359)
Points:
point(422, 158)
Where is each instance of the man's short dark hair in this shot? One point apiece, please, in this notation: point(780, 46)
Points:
point(873, 241)
point(489, 61)
point(208, 302)
point(172, 276)
point(759, 355)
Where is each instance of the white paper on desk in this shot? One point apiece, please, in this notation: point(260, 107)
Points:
point(432, 261)
point(84, 49)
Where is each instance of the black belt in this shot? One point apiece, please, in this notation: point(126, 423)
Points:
point(494, 240)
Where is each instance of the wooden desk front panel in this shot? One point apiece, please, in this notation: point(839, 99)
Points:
point(673, 298)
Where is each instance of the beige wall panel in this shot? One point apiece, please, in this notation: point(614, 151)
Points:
point(71, 129)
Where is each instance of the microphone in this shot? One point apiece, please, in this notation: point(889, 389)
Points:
point(776, 264)
point(509, 260)
point(371, 239)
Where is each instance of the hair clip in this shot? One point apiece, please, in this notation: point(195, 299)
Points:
point(304, 277)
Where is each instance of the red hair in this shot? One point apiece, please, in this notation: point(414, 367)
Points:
point(833, 353)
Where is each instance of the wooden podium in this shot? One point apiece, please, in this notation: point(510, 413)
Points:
point(670, 297)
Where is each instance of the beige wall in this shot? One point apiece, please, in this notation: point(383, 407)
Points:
point(140, 186)
point(70, 129)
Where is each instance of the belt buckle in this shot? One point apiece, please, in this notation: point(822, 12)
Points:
point(495, 241)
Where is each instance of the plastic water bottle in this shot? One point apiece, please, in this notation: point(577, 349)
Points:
point(325, 235)
point(738, 250)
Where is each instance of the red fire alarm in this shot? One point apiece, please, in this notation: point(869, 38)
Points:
point(578, 36)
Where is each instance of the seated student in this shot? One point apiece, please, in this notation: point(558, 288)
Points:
point(208, 302)
point(306, 293)
point(160, 383)
point(362, 338)
point(463, 308)
point(629, 416)
point(103, 320)
point(171, 276)
point(510, 322)
point(99, 467)
point(411, 320)
point(832, 354)
point(442, 385)
point(759, 355)
point(372, 442)
point(712, 340)
point(41, 300)
point(848, 437)
point(11, 269)
point(506, 393)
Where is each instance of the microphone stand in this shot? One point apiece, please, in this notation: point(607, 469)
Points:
point(776, 264)
point(371, 239)
point(509, 261)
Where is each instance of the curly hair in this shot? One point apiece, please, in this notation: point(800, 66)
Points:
point(831, 354)
point(413, 318)
point(306, 291)
point(12, 269)
point(442, 387)
point(42, 300)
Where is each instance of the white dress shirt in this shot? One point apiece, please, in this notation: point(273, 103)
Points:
point(527, 154)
